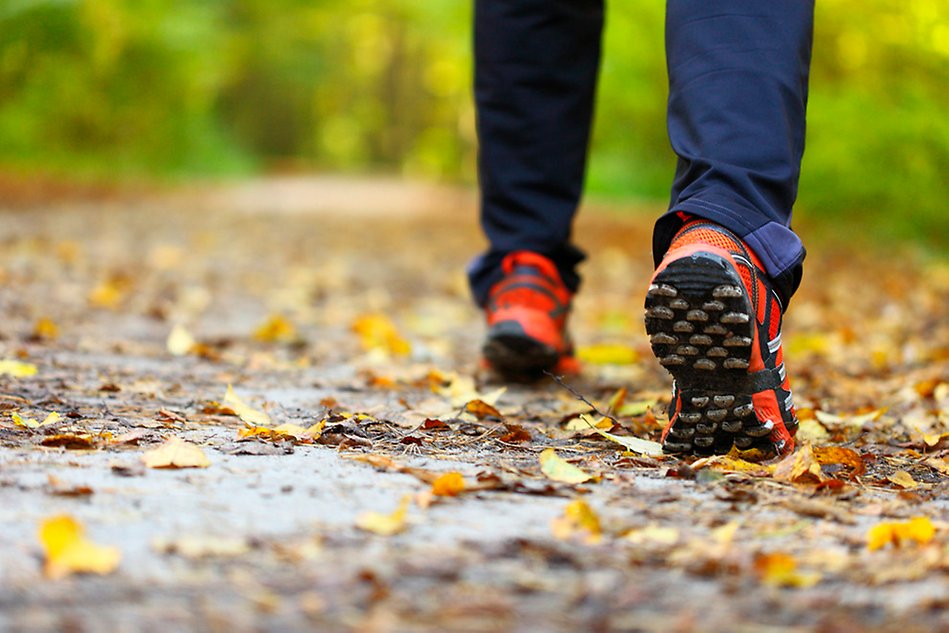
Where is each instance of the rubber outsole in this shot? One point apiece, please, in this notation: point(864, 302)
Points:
point(515, 355)
point(701, 324)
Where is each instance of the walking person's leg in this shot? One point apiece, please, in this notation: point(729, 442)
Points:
point(536, 66)
point(727, 259)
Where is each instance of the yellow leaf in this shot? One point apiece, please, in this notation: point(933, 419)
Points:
point(559, 469)
point(616, 400)
point(903, 479)
point(246, 413)
point(17, 369)
point(377, 332)
point(634, 444)
point(633, 409)
point(732, 463)
point(918, 529)
point(45, 329)
point(30, 423)
point(810, 431)
point(176, 453)
point(449, 485)
point(578, 519)
point(385, 524)
point(608, 354)
point(315, 431)
point(585, 423)
point(275, 329)
point(179, 341)
point(653, 534)
point(799, 466)
point(780, 570)
point(69, 551)
point(838, 422)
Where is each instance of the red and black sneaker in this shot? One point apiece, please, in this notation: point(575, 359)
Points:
point(714, 321)
point(527, 319)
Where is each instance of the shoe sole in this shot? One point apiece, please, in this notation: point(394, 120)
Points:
point(515, 355)
point(701, 327)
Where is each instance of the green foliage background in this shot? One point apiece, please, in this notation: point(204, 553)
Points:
point(113, 89)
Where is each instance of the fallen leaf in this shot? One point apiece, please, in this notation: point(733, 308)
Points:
point(578, 519)
point(195, 547)
point(180, 341)
point(559, 469)
point(68, 551)
point(616, 400)
point(837, 422)
point(275, 329)
point(246, 413)
point(481, 410)
point(587, 423)
point(732, 463)
point(385, 524)
point(45, 329)
point(30, 423)
point(634, 444)
point(608, 354)
point(450, 484)
point(633, 409)
point(898, 533)
point(515, 433)
point(176, 453)
point(70, 441)
point(799, 466)
point(653, 535)
point(63, 489)
point(810, 431)
point(378, 332)
point(903, 479)
point(16, 368)
point(826, 455)
point(938, 463)
point(780, 570)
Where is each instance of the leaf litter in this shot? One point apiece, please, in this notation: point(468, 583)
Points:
point(354, 356)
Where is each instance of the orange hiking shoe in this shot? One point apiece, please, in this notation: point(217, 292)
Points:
point(714, 321)
point(527, 318)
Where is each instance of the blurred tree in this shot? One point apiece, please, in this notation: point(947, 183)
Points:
point(111, 88)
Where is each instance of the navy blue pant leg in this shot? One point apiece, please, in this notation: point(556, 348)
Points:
point(738, 73)
point(536, 64)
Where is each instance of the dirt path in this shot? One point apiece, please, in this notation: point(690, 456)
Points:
point(370, 332)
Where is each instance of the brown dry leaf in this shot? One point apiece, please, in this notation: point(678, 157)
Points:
point(17, 369)
point(385, 524)
point(275, 329)
point(578, 520)
point(176, 453)
point(779, 569)
point(515, 433)
point(481, 410)
point(898, 533)
point(68, 551)
point(450, 484)
point(799, 466)
point(558, 469)
point(70, 441)
point(903, 479)
point(378, 332)
point(180, 341)
point(246, 413)
point(61, 488)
